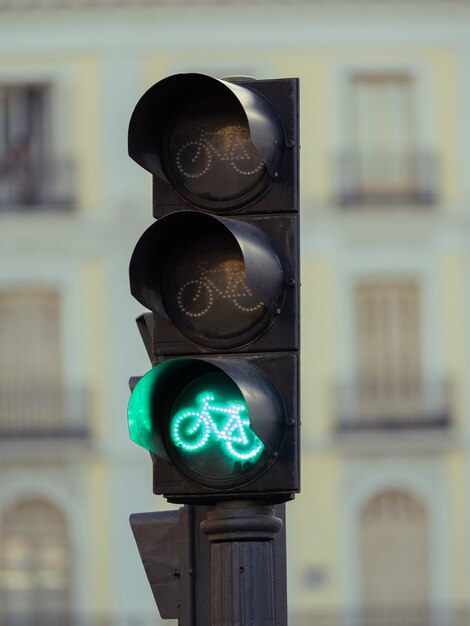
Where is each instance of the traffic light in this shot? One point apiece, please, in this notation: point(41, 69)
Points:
point(219, 271)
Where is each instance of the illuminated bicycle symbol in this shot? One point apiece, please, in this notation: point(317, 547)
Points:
point(196, 297)
point(231, 144)
point(193, 430)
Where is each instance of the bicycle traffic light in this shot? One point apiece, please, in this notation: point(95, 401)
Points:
point(219, 271)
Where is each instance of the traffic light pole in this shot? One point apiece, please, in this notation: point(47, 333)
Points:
point(243, 564)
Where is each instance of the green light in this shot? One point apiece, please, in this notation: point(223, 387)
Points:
point(197, 428)
point(210, 432)
point(194, 415)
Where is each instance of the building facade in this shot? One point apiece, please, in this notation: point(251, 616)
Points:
point(380, 533)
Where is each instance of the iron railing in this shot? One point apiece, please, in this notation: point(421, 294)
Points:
point(365, 179)
point(57, 619)
point(43, 411)
point(70, 619)
point(366, 617)
point(36, 185)
point(390, 404)
point(398, 616)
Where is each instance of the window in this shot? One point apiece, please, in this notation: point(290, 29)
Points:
point(34, 564)
point(384, 161)
point(388, 332)
point(391, 385)
point(394, 546)
point(30, 365)
point(382, 114)
point(30, 177)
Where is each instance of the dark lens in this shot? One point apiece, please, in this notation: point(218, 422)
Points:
point(211, 155)
point(208, 293)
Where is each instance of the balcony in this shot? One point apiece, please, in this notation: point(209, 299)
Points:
point(43, 412)
point(393, 405)
point(36, 185)
point(452, 616)
point(74, 619)
point(398, 616)
point(386, 179)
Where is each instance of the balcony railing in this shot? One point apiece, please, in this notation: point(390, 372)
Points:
point(70, 619)
point(374, 404)
point(36, 185)
point(43, 411)
point(454, 616)
point(371, 179)
point(387, 617)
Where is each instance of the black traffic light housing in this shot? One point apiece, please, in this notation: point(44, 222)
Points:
point(265, 383)
point(268, 247)
point(219, 270)
point(268, 108)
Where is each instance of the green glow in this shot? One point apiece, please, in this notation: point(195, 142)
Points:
point(195, 416)
point(140, 413)
point(209, 423)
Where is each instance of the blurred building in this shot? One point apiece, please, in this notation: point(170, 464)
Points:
point(380, 535)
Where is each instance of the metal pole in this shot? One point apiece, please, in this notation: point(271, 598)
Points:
point(241, 535)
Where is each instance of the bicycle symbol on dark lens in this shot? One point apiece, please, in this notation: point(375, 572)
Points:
point(193, 429)
point(196, 297)
point(231, 144)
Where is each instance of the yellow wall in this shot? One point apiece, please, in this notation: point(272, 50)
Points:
point(94, 317)
point(452, 281)
point(458, 512)
point(313, 522)
point(317, 346)
point(89, 116)
point(94, 334)
point(98, 528)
